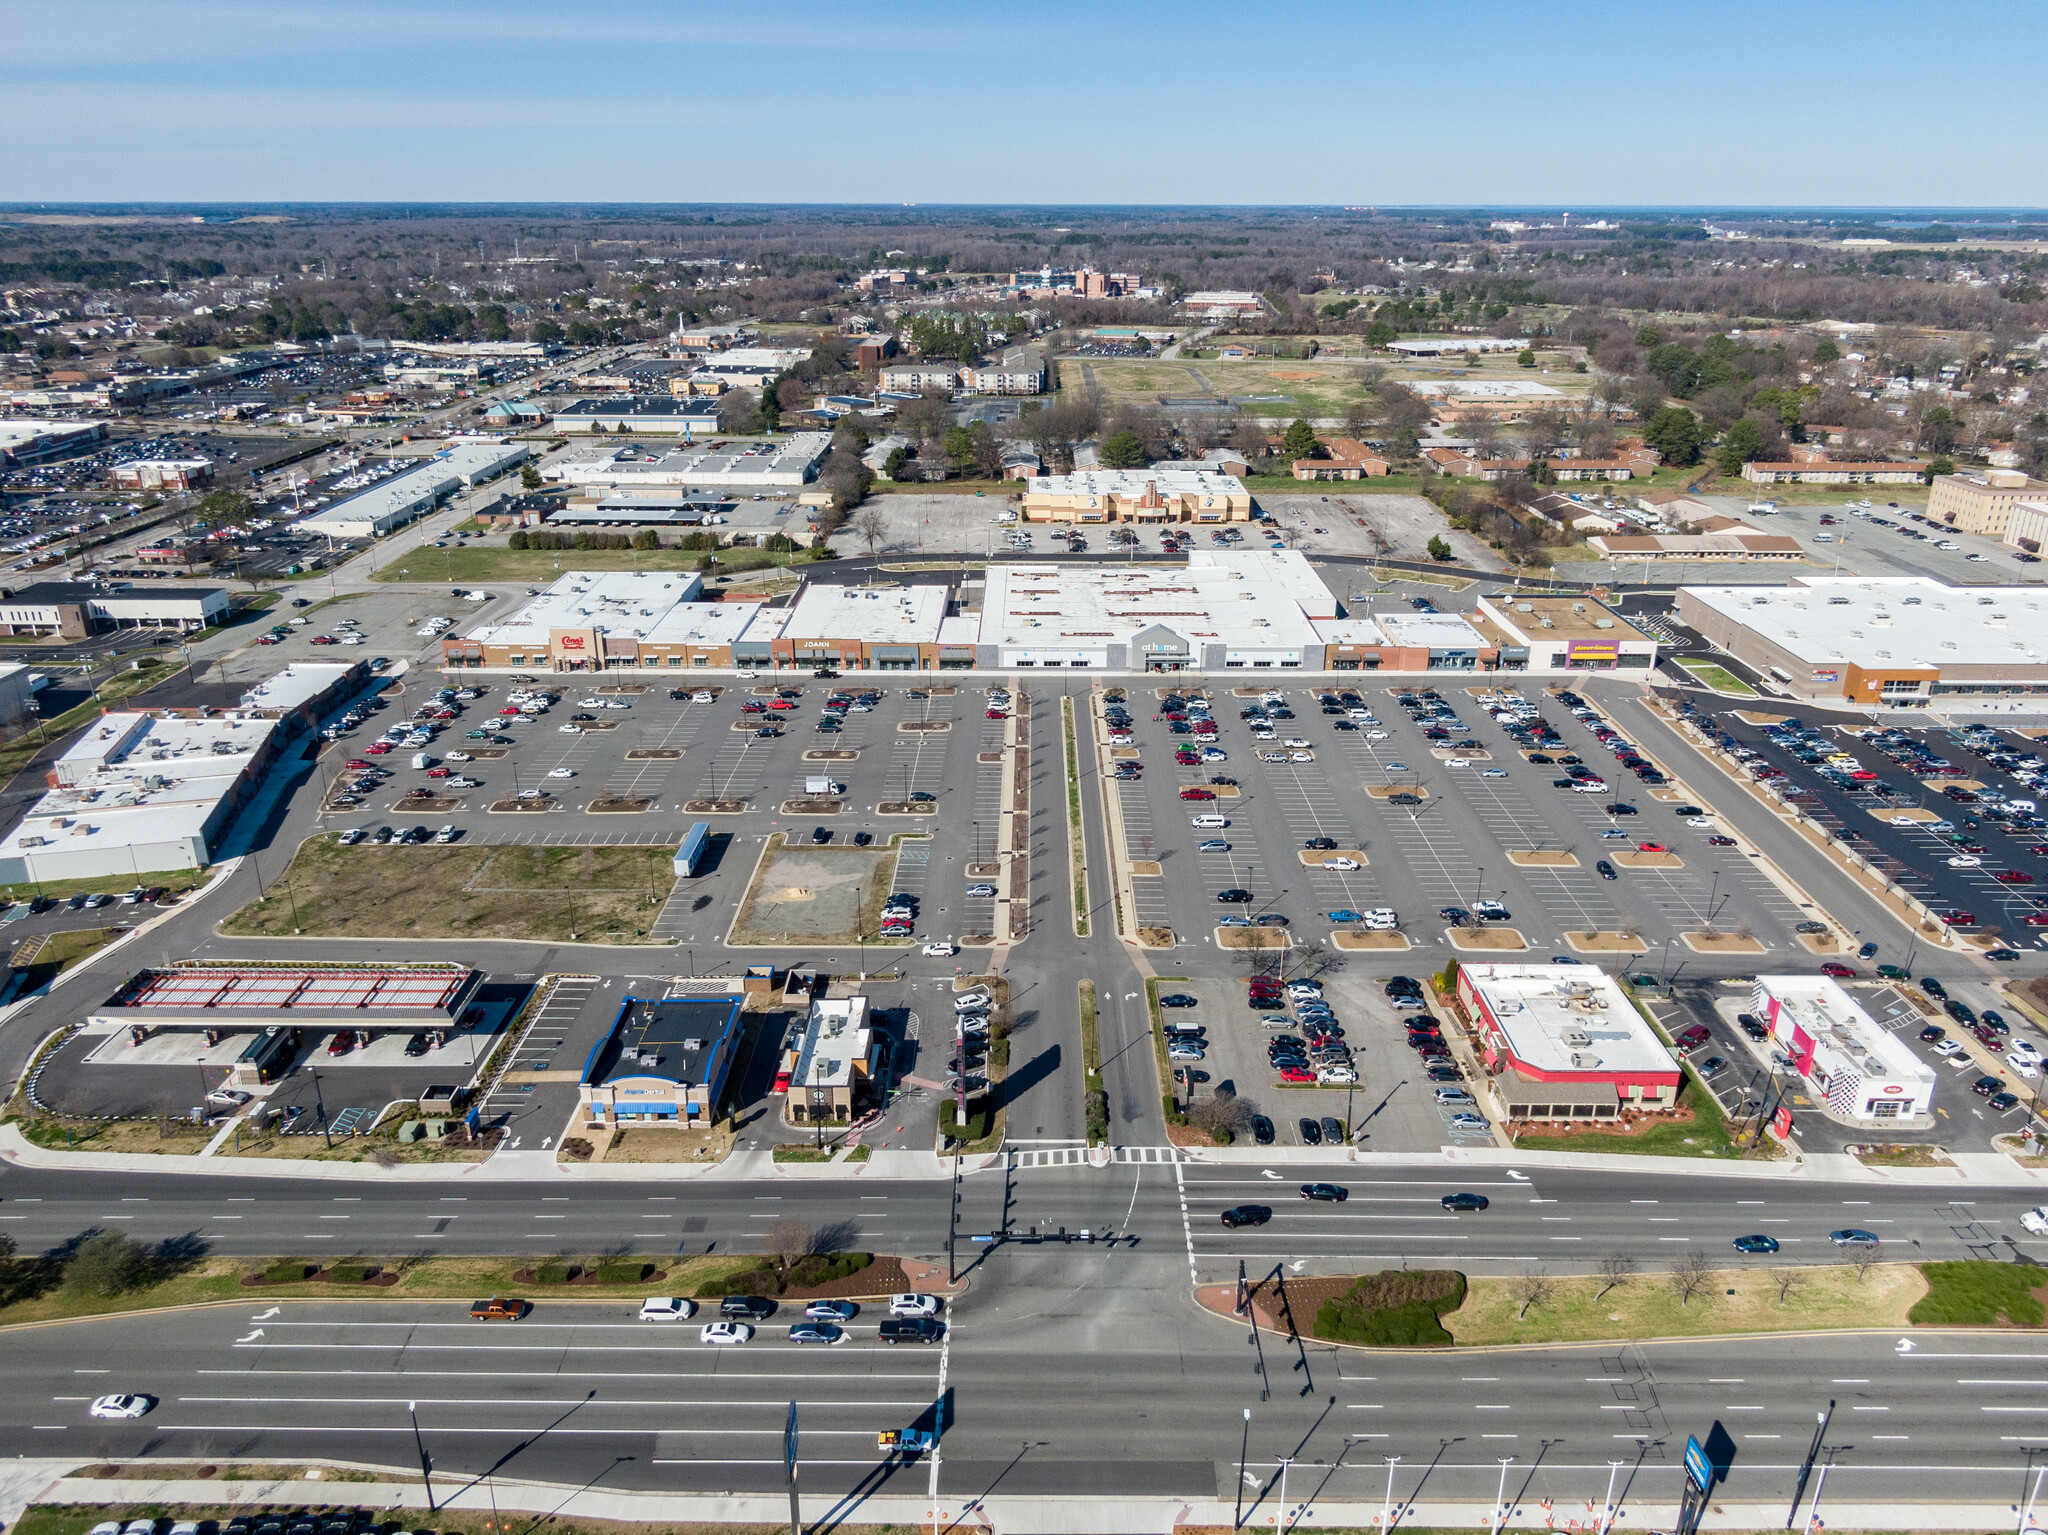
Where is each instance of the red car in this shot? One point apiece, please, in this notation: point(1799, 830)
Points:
point(1720, 842)
point(1837, 969)
point(377, 748)
point(2013, 877)
point(445, 714)
point(1198, 794)
point(508, 709)
point(780, 703)
point(1651, 847)
point(781, 1082)
point(357, 762)
point(323, 639)
point(996, 714)
point(752, 706)
point(1296, 1074)
point(2036, 919)
point(437, 772)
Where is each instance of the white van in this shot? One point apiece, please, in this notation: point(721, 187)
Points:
point(818, 783)
point(1208, 821)
point(422, 760)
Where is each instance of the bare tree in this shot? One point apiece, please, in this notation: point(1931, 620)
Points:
point(870, 526)
point(1863, 1258)
point(1690, 1271)
point(789, 1239)
point(1616, 1269)
point(1531, 1287)
point(1786, 1281)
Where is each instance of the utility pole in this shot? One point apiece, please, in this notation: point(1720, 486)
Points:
point(1806, 1466)
point(426, 1466)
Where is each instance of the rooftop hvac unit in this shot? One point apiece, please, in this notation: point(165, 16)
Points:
point(1584, 1062)
point(1578, 1039)
point(693, 1044)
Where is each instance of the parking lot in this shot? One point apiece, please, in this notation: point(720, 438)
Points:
point(625, 763)
point(1449, 848)
point(1939, 811)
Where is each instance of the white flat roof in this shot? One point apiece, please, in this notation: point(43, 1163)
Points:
point(1241, 604)
point(1129, 484)
point(626, 603)
point(904, 615)
point(1830, 1016)
point(1433, 631)
point(393, 498)
point(1486, 388)
point(1283, 572)
point(1350, 631)
point(1568, 1018)
point(706, 623)
point(725, 463)
point(298, 683)
point(835, 1036)
point(1897, 621)
point(479, 460)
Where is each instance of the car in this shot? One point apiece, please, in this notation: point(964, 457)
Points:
point(1756, 1244)
point(1933, 988)
point(561, 772)
point(817, 1332)
point(1965, 861)
point(831, 1311)
point(940, 950)
point(1311, 1132)
point(1468, 1122)
point(1463, 1201)
point(1246, 1215)
point(498, 1308)
point(129, 1405)
point(1262, 1130)
point(1984, 1087)
point(1234, 896)
point(724, 1334)
point(1342, 863)
point(1837, 969)
point(667, 1308)
point(1327, 1193)
point(981, 890)
point(1454, 1095)
point(913, 1329)
point(1850, 1236)
point(1718, 841)
point(913, 1304)
point(1212, 845)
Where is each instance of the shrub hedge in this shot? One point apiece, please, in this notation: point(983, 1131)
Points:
point(1394, 1308)
point(1979, 1295)
point(556, 1273)
point(351, 1273)
point(287, 1271)
point(622, 1273)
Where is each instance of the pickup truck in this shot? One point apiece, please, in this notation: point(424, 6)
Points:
point(920, 1329)
point(499, 1308)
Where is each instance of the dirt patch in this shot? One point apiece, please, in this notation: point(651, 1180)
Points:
point(1537, 859)
point(831, 754)
point(1312, 858)
point(423, 804)
point(1155, 937)
point(653, 754)
point(1486, 940)
point(598, 725)
point(1820, 943)
point(618, 806)
point(1147, 869)
point(715, 807)
point(1396, 942)
point(636, 687)
point(1721, 943)
point(1607, 943)
point(489, 753)
point(805, 894)
point(906, 807)
point(1470, 753)
point(1889, 813)
point(923, 727)
point(520, 806)
point(1384, 791)
point(1226, 791)
point(813, 806)
point(1253, 938)
point(1752, 717)
point(995, 757)
point(1646, 860)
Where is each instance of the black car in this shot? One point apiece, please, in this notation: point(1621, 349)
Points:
point(1984, 1087)
point(1262, 1129)
point(820, 835)
point(1333, 1130)
point(416, 1045)
point(1233, 897)
point(1311, 1132)
point(1179, 999)
point(863, 838)
point(746, 1307)
point(1328, 1193)
point(1932, 1034)
point(1932, 987)
point(1247, 1215)
point(1604, 869)
point(1320, 843)
point(1464, 1201)
point(911, 1329)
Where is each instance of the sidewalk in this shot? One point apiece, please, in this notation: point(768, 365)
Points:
point(28, 1482)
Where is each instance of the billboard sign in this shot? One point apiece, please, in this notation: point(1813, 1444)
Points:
point(1696, 1466)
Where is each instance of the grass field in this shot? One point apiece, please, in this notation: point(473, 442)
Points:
point(541, 566)
point(564, 894)
point(1702, 1133)
point(1719, 678)
point(1647, 1306)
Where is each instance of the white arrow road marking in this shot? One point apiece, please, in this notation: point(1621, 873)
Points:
point(1905, 1345)
point(1518, 1177)
point(266, 1315)
point(252, 1336)
point(1270, 1173)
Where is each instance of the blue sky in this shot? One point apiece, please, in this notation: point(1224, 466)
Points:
point(1520, 102)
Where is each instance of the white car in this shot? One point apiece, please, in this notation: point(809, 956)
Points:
point(913, 1305)
point(351, 837)
point(940, 950)
point(2036, 1221)
point(1376, 735)
point(121, 1406)
point(616, 703)
point(1493, 772)
point(590, 703)
point(1342, 863)
point(460, 757)
point(1336, 1076)
point(667, 1308)
point(703, 698)
point(1699, 820)
point(1295, 741)
point(1457, 762)
point(1947, 1048)
point(1902, 820)
point(1965, 861)
point(570, 730)
point(561, 772)
point(2022, 1050)
point(1301, 756)
point(722, 1334)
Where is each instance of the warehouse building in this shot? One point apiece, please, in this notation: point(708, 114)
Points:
point(1561, 1042)
point(1854, 1065)
point(666, 1061)
point(404, 498)
point(1564, 634)
point(74, 609)
point(729, 465)
point(1892, 641)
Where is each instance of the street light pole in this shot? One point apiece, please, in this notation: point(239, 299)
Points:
point(426, 1466)
point(1501, 1496)
point(1607, 1508)
point(1243, 1452)
point(1387, 1503)
point(1286, 1516)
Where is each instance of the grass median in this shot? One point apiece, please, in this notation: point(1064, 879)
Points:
point(491, 562)
point(1077, 850)
point(1095, 1096)
point(556, 894)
